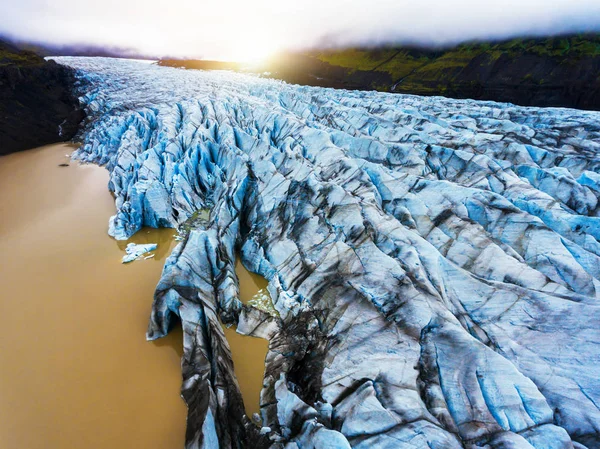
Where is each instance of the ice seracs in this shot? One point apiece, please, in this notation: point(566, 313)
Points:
point(434, 264)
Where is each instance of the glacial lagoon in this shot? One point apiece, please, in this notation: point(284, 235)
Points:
point(75, 367)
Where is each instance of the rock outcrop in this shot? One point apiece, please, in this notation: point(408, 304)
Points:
point(434, 263)
point(38, 104)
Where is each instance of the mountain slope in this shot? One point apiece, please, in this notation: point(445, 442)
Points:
point(37, 101)
point(561, 71)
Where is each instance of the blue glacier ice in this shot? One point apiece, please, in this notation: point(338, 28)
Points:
point(434, 263)
point(134, 251)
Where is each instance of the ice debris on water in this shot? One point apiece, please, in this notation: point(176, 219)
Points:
point(262, 301)
point(134, 251)
point(434, 263)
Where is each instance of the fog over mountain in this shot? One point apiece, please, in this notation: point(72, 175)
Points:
point(245, 30)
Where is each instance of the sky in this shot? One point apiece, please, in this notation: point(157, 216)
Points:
point(249, 30)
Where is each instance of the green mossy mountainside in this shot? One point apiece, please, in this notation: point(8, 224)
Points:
point(560, 71)
point(37, 101)
point(557, 71)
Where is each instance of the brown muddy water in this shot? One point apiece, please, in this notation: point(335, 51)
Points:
point(248, 353)
point(75, 368)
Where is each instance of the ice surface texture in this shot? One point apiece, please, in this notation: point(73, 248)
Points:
point(134, 251)
point(434, 263)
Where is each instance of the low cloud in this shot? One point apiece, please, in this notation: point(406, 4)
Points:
point(235, 29)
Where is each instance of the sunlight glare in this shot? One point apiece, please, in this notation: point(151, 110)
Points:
point(252, 49)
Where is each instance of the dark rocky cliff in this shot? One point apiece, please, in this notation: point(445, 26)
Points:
point(37, 101)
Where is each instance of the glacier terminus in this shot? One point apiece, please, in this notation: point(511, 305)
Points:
point(433, 264)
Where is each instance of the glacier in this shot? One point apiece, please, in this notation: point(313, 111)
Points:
point(434, 264)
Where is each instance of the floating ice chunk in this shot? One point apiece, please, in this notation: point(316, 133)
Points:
point(134, 251)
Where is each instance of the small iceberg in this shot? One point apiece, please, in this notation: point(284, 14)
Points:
point(134, 251)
